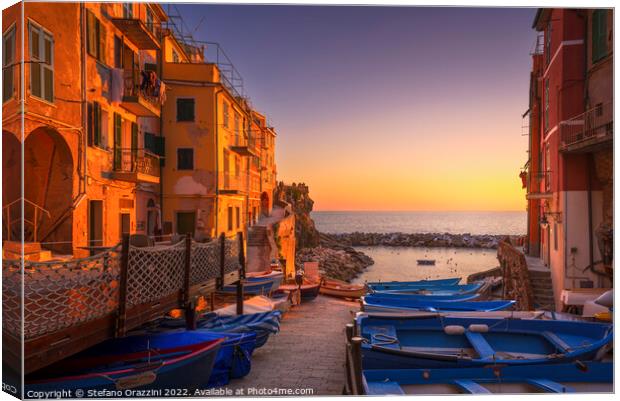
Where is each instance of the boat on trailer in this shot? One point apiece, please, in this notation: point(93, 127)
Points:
point(588, 377)
point(438, 341)
point(372, 303)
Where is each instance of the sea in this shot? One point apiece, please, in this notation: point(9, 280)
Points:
point(400, 263)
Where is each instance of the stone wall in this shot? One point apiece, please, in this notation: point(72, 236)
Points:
point(298, 196)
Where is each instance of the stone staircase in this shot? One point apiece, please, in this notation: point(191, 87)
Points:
point(540, 281)
point(259, 249)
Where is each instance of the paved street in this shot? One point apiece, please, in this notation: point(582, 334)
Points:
point(307, 353)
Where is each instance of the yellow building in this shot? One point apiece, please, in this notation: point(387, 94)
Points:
point(91, 125)
point(206, 124)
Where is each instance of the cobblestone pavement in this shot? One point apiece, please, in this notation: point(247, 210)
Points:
point(308, 353)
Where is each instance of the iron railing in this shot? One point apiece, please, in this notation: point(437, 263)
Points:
point(596, 123)
point(134, 86)
point(136, 161)
point(233, 182)
point(32, 214)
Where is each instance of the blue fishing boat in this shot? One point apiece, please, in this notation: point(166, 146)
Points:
point(153, 361)
point(589, 377)
point(421, 297)
point(386, 284)
point(373, 303)
point(263, 324)
point(432, 290)
point(438, 341)
point(252, 287)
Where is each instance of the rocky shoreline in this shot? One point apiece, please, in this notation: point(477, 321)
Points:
point(425, 240)
point(336, 260)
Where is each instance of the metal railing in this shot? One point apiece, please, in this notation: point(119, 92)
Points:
point(136, 161)
point(30, 208)
point(133, 86)
point(594, 123)
point(233, 182)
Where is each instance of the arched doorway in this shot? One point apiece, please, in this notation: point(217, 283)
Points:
point(264, 203)
point(48, 174)
point(11, 186)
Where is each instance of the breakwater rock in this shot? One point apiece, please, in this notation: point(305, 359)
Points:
point(426, 240)
point(342, 262)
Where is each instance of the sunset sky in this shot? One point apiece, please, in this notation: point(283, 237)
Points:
point(386, 108)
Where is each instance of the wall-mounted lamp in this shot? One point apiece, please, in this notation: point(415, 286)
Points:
point(557, 217)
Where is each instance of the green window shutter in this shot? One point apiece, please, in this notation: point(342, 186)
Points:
point(599, 35)
point(90, 34)
point(118, 149)
point(97, 124)
point(90, 127)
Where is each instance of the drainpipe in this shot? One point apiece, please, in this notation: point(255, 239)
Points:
point(84, 111)
point(217, 162)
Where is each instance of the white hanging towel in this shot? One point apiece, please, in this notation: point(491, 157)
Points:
point(116, 92)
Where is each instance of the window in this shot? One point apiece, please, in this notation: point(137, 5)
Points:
point(185, 159)
point(95, 126)
point(127, 10)
point(118, 141)
point(238, 216)
point(118, 52)
point(236, 122)
point(230, 218)
point(548, 44)
point(225, 114)
point(149, 19)
point(546, 116)
point(8, 59)
point(41, 63)
point(175, 56)
point(96, 37)
point(185, 109)
point(599, 35)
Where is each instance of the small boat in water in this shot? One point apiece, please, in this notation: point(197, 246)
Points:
point(342, 289)
point(152, 361)
point(373, 303)
point(387, 284)
point(445, 342)
point(426, 262)
point(434, 290)
point(587, 377)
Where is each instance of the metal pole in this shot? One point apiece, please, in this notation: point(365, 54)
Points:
point(222, 260)
point(190, 311)
point(356, 353)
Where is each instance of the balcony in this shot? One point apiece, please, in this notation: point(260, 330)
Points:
point(232, 184)
point(145, 37)
point(242, 147)
point(589, 131)
point(539, 185)
point(139, 100)
point(136, 165)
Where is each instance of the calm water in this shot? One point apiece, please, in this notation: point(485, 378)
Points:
point(509, 223)
point(398, 263)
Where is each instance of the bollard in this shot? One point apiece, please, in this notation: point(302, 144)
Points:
point(356, 355)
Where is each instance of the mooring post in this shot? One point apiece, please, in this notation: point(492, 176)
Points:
point(241, 274)
point(188, 305)
point(349, 330)
point(122, 288)
point(356, 355)
point(239, 297)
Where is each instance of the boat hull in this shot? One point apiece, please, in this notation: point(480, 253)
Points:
point(431, 290)
point(443, 281)
point(341, 289)
point(371, 303)
point(84, 372)
point(562, 378)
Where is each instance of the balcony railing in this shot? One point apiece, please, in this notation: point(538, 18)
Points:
point(232, 183)
point(139, 98)
point(144, 36)
point(588, 129)
point(136, 165)
point(539, 185)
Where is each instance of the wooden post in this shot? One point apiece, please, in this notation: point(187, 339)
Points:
point(356, 354)
point(239, 297)
point(190, 311)
point(350, 331)
point(122, 289)
point(222, 260)
point(241, 255)
point(212, 301)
